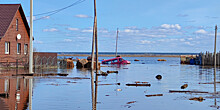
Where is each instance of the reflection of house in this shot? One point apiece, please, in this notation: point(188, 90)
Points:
point(14, 33)
point(17, 89)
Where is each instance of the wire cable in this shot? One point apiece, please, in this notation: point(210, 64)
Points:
point(50, 13)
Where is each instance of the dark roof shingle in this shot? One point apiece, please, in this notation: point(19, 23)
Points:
point(7, 13)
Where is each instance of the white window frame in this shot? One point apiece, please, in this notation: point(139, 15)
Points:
point(16, 24)
point(25, 49)
point(18, 48)
point(7, 47)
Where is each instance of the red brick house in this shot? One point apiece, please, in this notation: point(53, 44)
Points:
point(14, 33)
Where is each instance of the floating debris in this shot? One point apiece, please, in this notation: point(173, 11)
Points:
point(209, 83)
point(154, 95)
point(138, 84)
point(103, 73)
point(161, 60)
point(177, 91)
point(70, 82)
point(184, 86)
point(200, 99)
point(109, 84)
point(131, 102)
point(159, 77)
point(118, 89)
point(112, 71)
point(50, 74)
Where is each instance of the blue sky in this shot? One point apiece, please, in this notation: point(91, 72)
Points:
point(144, 25)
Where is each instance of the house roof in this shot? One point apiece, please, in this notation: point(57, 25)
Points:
point(7, 13)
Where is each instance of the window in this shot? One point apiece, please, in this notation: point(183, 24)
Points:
point(7, 45)
point(17, 24)
point(25, 49)
point(19, 48)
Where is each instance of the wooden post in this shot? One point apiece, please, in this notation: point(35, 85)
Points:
point(94, 38)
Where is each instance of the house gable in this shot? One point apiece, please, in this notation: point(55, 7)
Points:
point(7, 13)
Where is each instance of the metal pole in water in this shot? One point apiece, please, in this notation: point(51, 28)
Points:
point(31, 38)
point(215, 60)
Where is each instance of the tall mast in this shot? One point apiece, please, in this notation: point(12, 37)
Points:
point(116, 44)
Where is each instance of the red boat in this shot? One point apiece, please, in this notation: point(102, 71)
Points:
point(117, 60)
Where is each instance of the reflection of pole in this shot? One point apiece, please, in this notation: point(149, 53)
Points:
point(215, 64)
point(31, 38)
point(116, 44)
point(215, 60)
point(92, 88)
point(30, 93)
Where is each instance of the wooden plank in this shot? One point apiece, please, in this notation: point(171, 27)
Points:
point(178, 91)
point(154, 95)
point(138, 84)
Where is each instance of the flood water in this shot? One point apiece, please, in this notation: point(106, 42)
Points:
point(70, 93)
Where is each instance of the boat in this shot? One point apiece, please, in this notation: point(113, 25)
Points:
point(117, 60)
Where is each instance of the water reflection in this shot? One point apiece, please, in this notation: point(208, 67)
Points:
point(14, 91)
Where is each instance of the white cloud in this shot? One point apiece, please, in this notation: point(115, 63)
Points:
point(182, 15)
point(87, 30)
point(72, 29)
point(131, 30)
point(188, 43)
point(103, 31)
point(46, 17)
point(171, 26)
point(82, 16)
point(145, 42)
point(190, 38)
point(182, 40)
point(67, 40)
point(201, 31)
point(50, 30)
point(38, 42)
point(28, 18)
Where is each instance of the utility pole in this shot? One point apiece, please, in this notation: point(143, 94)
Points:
point(31, 38)
point(116, 44)
point(94, 44)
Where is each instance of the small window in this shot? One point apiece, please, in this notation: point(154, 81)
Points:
point(19, 48)
point(114, 61)
point(17, 24)
point(7, 45)
point(25, 49)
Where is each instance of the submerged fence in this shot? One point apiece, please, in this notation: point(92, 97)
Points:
point(207, 59)
point(204, 59)
point(45, 62)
